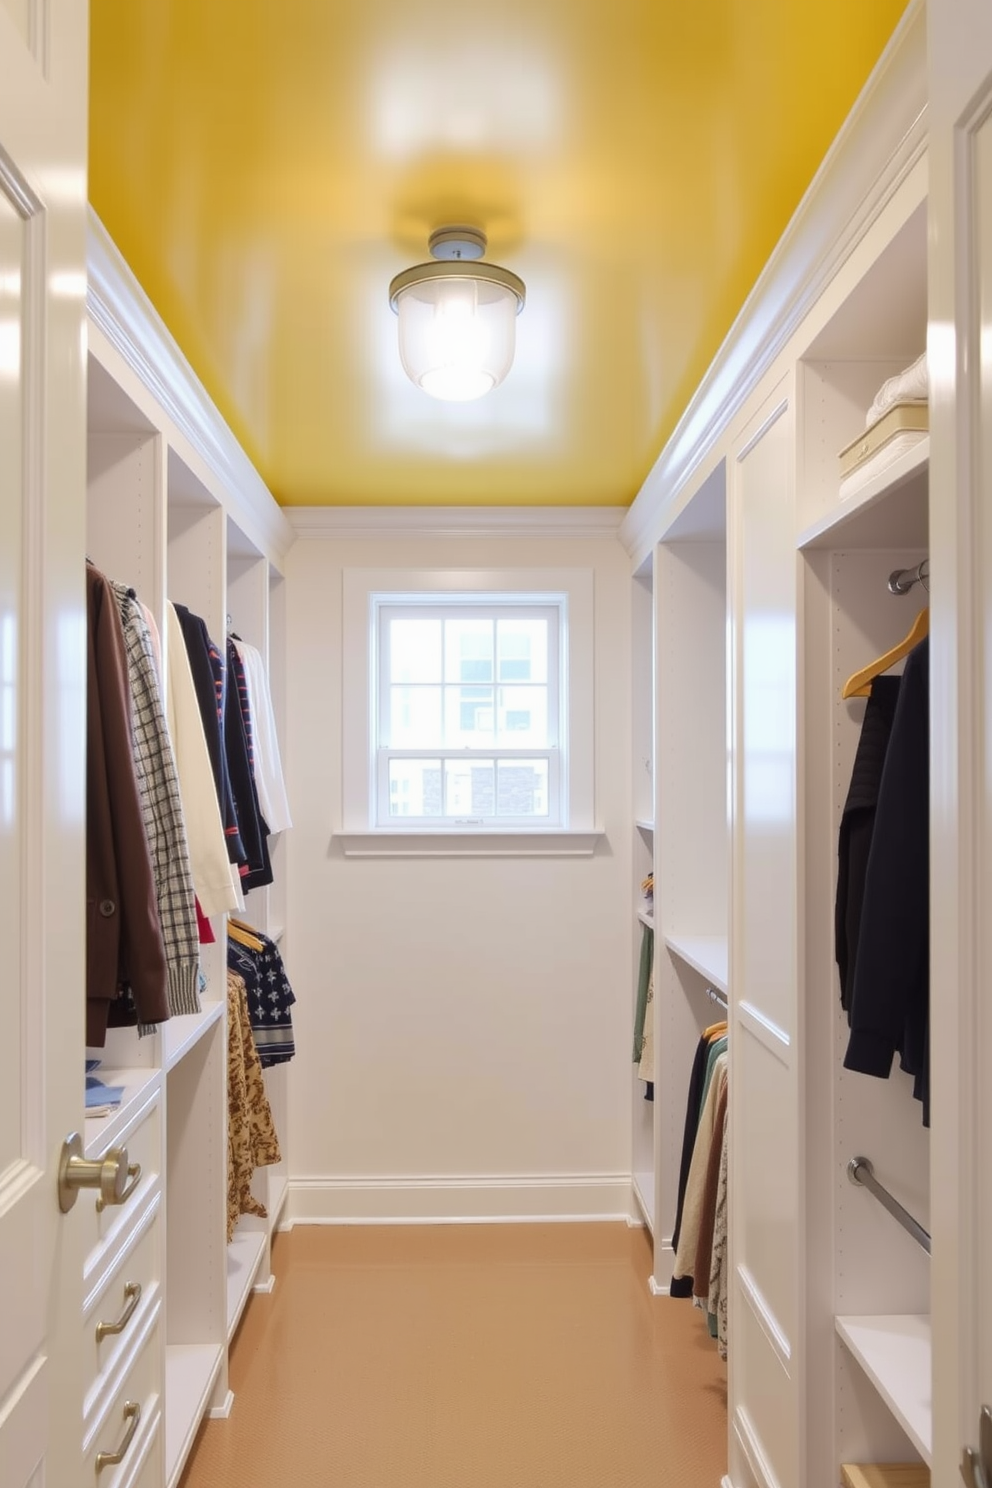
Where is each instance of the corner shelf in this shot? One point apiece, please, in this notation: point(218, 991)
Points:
point(706, 954)
point(646, 917)
point(244, 1256)
point(894, 1352)
point(191, 1370)
point(643, 825)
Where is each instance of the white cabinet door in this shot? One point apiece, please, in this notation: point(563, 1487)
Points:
point(42, 710)
point(960, 354)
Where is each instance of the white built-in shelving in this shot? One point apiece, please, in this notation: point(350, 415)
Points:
point(705, 954)
point(895, 1354)
point(191, 1371)
point(175, 510)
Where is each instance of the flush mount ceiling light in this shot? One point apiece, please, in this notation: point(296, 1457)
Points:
point(457, 317)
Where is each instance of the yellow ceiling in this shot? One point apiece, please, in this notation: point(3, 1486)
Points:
point(266, 169)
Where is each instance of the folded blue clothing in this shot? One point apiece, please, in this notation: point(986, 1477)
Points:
point(98, 1094)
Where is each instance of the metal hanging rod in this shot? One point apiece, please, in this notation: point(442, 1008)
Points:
point(901, 580)
point(861, 1172)
point(717, 997)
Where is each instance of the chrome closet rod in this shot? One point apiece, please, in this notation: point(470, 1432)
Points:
point(861, 1172)
point(901, 580)
point(717, 997)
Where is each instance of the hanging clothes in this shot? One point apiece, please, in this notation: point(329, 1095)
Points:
point(703, 1264)
point(251, 1134)
point(266, 763)
point(210, 681)
point(256, 870)
point(643, 983)
point(645, 1069)
point(125, 954)
point(719, 1289)
point(857, 827)
point(692, 1209)
point(270, 997)
point(215, 886)
point(890, 1006)
point(161, 808)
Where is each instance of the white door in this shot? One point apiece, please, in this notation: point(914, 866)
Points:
point(960, 357)
point(43, 68)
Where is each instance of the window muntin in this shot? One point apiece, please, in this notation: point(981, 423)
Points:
point(468, 728)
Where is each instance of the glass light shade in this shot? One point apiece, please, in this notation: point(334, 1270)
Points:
point(457, 333)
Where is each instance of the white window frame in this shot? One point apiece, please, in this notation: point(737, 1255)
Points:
point(364, 591)
point(475, 605)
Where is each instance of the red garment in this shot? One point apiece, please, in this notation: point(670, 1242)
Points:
point(203, 925)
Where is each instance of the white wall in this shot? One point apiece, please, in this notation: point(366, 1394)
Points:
point(463, 1025)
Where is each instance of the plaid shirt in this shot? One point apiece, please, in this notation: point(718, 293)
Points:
point(161, 808)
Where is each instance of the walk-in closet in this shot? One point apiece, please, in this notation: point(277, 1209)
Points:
point(534, 1023)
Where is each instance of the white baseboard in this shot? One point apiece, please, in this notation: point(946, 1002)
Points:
point(221, 1412)
point(657, 1289)
point(268, 1285)
point(459, 1200)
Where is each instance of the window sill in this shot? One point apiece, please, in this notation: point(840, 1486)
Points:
point(445, 843)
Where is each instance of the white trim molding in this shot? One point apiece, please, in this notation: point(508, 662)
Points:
point(765, 1317)
point(529, 522)
point(750, 1445)
point(882, 140)
point(559, 843)
point(475, 1199)
point(118, 306)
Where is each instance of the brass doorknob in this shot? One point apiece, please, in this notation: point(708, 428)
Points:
point(112, 1175)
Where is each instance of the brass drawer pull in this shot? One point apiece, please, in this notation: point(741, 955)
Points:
point(134, 1173)
point(132, 1415)
point(132, 1296)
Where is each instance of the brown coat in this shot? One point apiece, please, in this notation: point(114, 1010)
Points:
point(123, 933)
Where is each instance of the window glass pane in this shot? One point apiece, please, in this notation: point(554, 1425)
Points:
point(468, 717)
point(522, 650)
point(414, 718)
point(468, 650)
point(415, 788)
point(414, 650)
point(522, 788)
point(469, 788)
point(522, 717)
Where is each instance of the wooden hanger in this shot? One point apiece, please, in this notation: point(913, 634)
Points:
point(244, 937)
point(860, 684)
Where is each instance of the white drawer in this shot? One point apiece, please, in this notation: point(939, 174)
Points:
point(122, 1295)
point(123, 1423)
point(105, 1228)
point(145, 1467)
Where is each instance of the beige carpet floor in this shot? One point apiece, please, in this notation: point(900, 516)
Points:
point(504, 1356)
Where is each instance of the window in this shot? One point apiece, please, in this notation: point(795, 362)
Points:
point(468, 728)
point(468, 712)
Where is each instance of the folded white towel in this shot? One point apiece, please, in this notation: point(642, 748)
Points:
point(909, 386)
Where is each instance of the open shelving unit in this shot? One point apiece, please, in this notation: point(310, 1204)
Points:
point(894, 1353)
point(175, 510)
point(245, 1255)
point(191, 1372)
point(871, 1356)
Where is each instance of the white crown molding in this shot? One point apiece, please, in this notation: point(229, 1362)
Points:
point(884, 137)
point(529, 522)
point(574, 1198)
point(121, 310)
